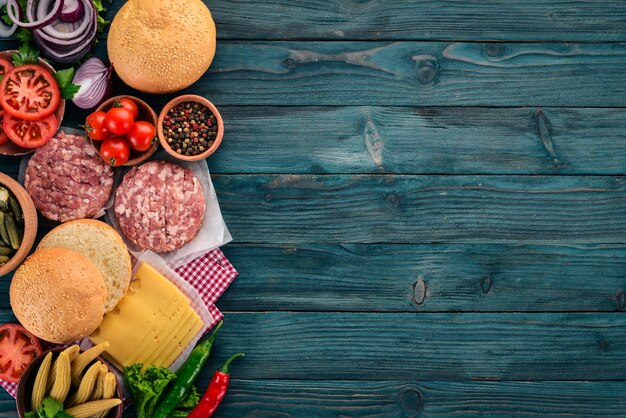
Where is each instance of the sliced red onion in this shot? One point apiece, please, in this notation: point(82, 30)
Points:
point(62, 27)
point(66, 51)
point(72, 11)
point(6, 30)
point(94, 79)
point(33, 23)
point(56, 33)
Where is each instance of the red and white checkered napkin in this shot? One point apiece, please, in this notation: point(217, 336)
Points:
point(210, 275)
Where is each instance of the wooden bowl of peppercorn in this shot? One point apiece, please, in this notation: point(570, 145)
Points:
point(190, 128)
point(146, 113)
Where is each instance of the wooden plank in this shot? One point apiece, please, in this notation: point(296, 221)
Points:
point(416, 74)
point(422, 278)
point(298, 398)
point(543, 20)
point(421, 140)
point(426, 278)
point(423, 209)
point(425, 346)
point(459, 140)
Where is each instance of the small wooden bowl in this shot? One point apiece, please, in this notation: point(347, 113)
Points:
point(25, 386)
point(30, 223)
point(146, 114)
point(10, 148)
point(202, 101)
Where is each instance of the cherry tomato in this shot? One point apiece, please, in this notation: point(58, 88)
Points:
point(30, 133)
point(5, 67)
point(141, 136)
point(96, 126)
point(128, 104)
point(3, 137)
point(119, 120)
point(18, 348)
point(115, 151)
point(29, 92)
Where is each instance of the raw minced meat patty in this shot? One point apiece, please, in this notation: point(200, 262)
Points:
point(67, 179)
point(160, 206)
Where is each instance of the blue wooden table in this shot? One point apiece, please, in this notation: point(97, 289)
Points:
point(428, 203)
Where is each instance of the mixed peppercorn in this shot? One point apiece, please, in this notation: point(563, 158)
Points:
point(190, 128)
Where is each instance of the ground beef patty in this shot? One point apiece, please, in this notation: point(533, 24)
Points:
point(160, 206)
point(67, 179)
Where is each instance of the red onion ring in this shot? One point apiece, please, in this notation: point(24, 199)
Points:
point(34, 24)
point(6, 30)
point(72, 11)
point(57, 35)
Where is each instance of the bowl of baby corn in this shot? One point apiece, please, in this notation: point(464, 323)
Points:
point(66, 382)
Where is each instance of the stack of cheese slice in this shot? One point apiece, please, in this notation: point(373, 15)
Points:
point(151, 325)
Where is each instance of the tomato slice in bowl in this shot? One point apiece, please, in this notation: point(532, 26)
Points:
point(5, 67)
point(29, 92)
point(4, 138)
point(18, 348)
point(30, 133)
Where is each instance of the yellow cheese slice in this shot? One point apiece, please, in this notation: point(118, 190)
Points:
point(166, 360)
point(149, 314)
point(170, 335)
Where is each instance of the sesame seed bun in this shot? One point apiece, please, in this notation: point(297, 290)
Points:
point(58, 295)
point(103, 246)
point(161, 46)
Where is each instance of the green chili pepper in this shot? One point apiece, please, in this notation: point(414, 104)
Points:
point(187, 374)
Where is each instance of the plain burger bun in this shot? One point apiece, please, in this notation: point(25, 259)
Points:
point(161, 46)
point(103, 246)
point(58, 295)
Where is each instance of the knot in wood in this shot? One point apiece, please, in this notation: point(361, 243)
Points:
point(419, 291)
point(620, 300)
point(485, 284)
point(290, 63)
point(427, 71)
point(268, 197)
point(411, 400)
point(493, 50)
point(392, 201)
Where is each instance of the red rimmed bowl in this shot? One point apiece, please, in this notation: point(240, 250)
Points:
point(146, 113)
point(10, 148)
point(27, 381)
point(192, 98)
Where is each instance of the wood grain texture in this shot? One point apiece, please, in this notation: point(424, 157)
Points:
point(422, 209)
point(426, 278)
point(425, 346)
point(458, 140)
point(573, 20)
point(420, 140)
point(279, 398)
point(416, 74)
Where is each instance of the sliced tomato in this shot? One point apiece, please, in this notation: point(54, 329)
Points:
point(5, 67)
point(30, 133)
point(18, 348)
point(3, 137)
point(29, 92)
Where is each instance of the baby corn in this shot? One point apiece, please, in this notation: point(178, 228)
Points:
point(39, 388)
point(88, 409)
point(83, 360)
point(72, 352)
point(85, 388)
point(62, 380)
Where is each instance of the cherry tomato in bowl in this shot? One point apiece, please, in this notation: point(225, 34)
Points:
point(130, 104)
point(96, 126)
point(119, 120)
point(30, 133)
point(29, 92)
point(18, 348)
point(141, 136)
point(115, 151)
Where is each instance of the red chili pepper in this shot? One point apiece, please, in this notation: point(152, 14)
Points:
point(215, 392)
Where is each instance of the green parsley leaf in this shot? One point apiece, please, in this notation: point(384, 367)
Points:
point(64, 80)
point(102, 23)
point(25, 55)
point(5, 16)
